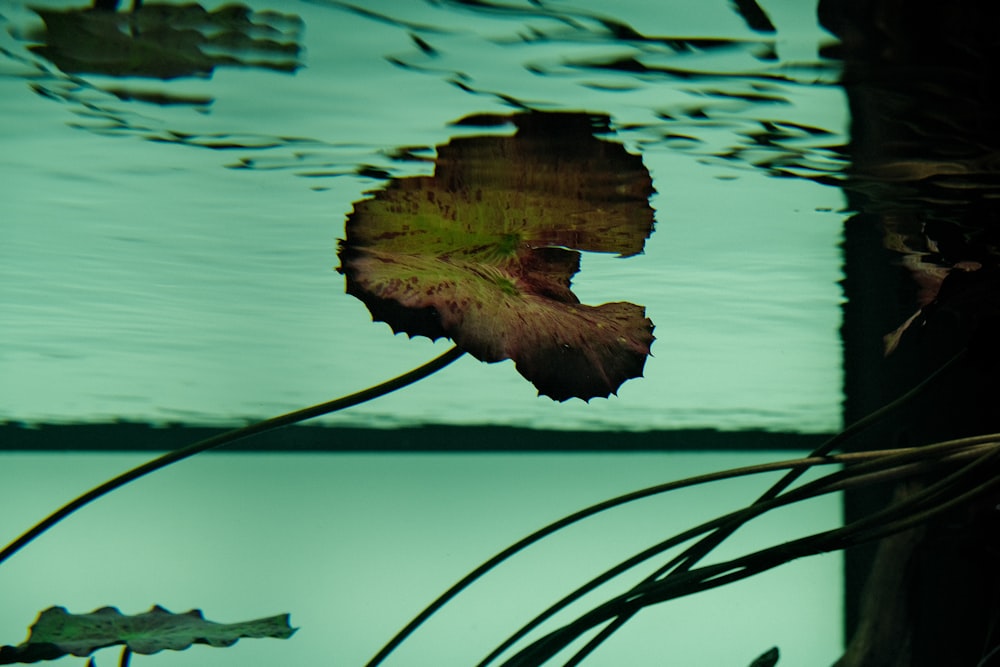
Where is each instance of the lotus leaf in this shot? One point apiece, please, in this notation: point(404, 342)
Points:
point(484, 250)
point(57, 633)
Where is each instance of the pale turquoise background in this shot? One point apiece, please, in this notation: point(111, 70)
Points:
point(148, 281)
point(353, 546)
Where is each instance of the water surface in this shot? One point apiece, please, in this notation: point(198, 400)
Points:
point(168, 246)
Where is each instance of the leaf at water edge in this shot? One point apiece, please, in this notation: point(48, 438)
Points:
point(57, 633)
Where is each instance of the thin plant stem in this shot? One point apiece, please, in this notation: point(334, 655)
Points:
point(914, 510)
point(988, 656)
point(126, 657)
point(700, 550)
point(228, 437)
point(690, 556)
point(697, 551)
point(817, 457)
point(846, 458)
point(891, 465)
point(699, 580)
point(566, 521)
point(932, 501)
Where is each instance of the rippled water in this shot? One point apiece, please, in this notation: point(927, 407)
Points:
point(172, 192)
point(168, 246)
point(174, 186)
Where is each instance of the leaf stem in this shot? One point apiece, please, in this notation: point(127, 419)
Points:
point(697, 551)
point(941, 496)
point(257, 428)
point(958, 449)
point(795, 468)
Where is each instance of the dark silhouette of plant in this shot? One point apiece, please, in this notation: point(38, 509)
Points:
point(968, 463)
point(483, 252)
point(226, 438)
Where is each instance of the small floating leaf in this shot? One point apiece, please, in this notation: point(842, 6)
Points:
point(484, 250)
point(57, 633)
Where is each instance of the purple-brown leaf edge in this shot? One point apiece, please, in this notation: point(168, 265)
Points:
point(484, 250)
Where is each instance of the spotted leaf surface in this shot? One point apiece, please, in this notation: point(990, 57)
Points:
point(484, 251)
point(57, 633)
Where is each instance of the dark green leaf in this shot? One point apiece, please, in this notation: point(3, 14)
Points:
point(57, 633)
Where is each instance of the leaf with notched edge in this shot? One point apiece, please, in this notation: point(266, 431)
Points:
point(57, 633)
point(483, 252)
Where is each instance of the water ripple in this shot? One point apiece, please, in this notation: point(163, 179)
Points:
point(731, 100)
point(730, 91)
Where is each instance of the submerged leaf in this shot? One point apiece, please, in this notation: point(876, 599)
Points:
point(57, 633)
point(484, 251)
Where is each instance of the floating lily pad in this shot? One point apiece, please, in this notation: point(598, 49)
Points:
point(57, 633)
point(483, 252)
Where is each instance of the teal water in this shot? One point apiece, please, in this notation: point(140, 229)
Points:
point(175, 262)
point(353, 546)
point(168, 254)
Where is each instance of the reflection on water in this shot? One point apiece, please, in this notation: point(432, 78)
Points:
point(160, 41)
point(682, 92)
point(165, 41)
point(925, 155)
point(731, 100)
point(923, 270)
point(188, 298)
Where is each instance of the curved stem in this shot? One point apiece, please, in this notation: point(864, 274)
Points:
point(700, 549)
point(888, 465)
point(943, 495)
point(566, 521)
point(484, 568)
point(287, 419)
point(946, 494)
point(819, 456)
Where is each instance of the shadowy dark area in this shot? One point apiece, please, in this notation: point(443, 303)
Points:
point(922, 283)
point(134, 437)
point(167, 41)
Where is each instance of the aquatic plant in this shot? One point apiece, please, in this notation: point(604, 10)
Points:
point(964, 467)
point(483, 252)
point(58, 633)
point(965, 464)
point(444, 256)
